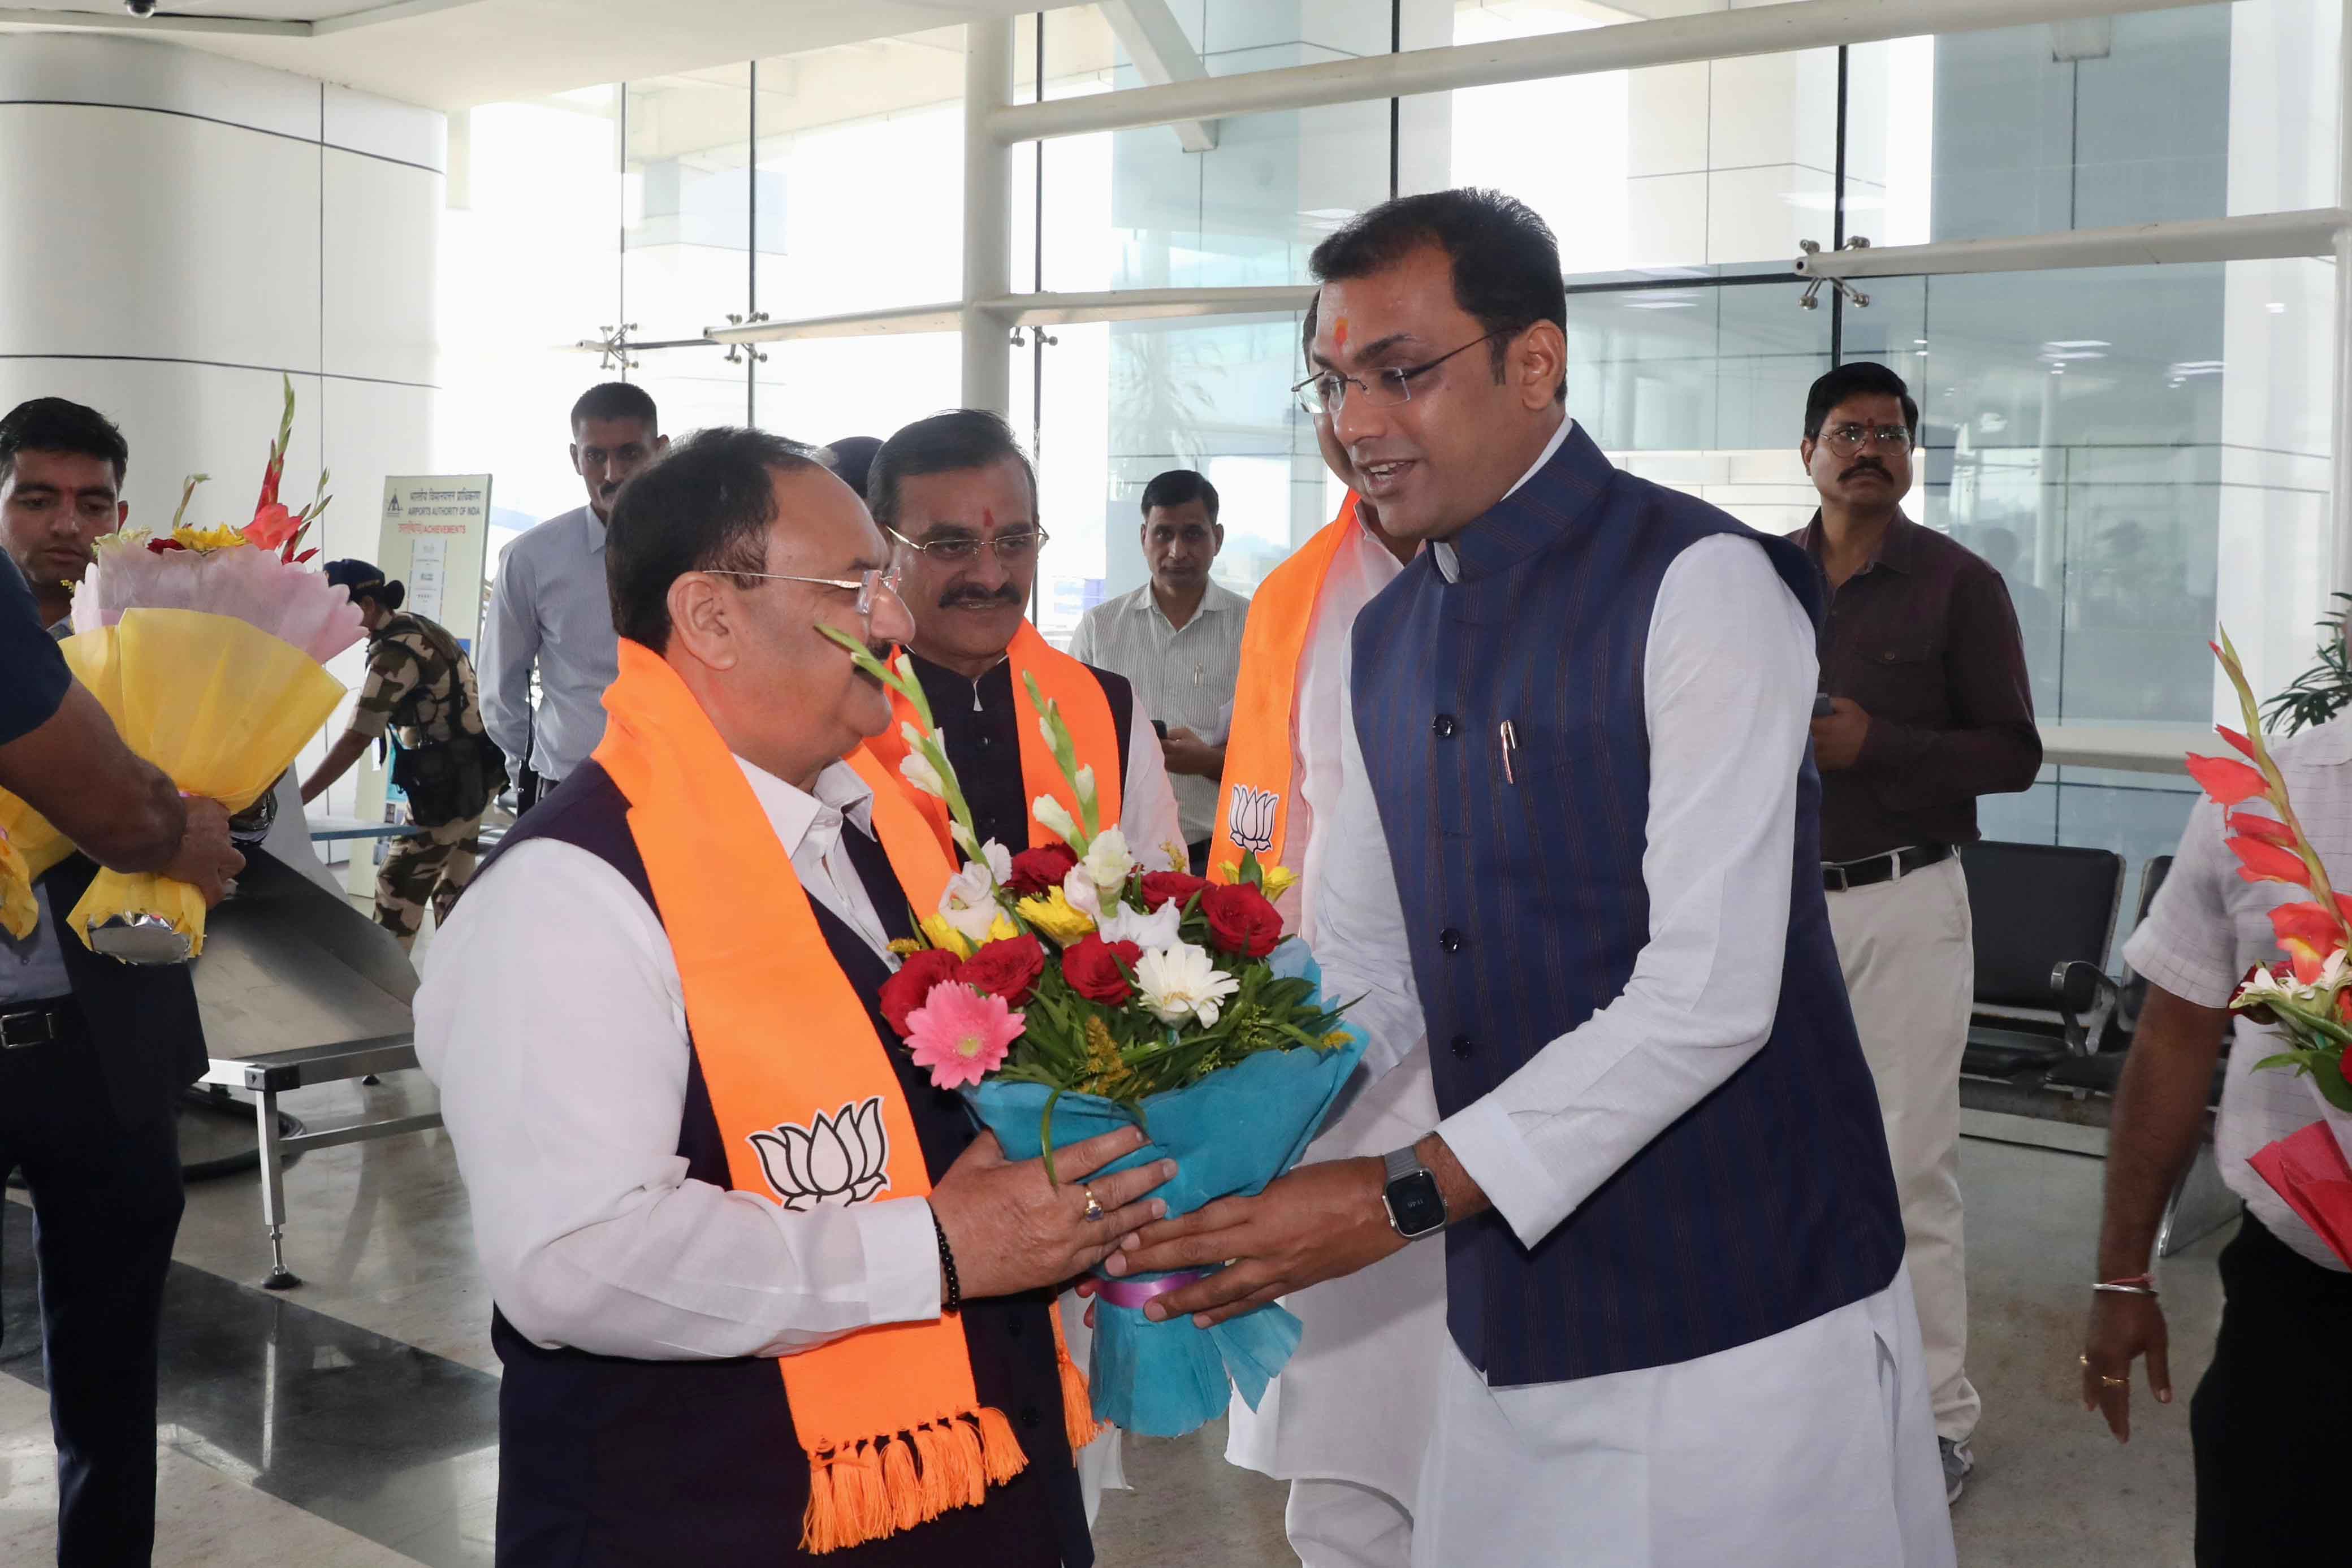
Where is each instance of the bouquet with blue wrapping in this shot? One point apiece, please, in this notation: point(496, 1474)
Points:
point(1070, 991)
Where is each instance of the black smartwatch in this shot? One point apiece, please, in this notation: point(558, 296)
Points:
point(1416, 1208)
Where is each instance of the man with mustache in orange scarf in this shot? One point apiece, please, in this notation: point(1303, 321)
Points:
point(762, 1296)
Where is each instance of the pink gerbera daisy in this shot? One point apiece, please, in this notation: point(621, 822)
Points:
point(961, 1034)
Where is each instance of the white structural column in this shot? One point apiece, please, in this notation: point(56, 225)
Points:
point(2340, 530)
point(186, 231)
point(987, 216)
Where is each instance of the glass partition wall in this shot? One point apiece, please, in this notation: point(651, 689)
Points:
point(2107, 438)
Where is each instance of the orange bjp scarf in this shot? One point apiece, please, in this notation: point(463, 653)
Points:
point(1094, 736)
point(894, 1427)
point(1259, 753)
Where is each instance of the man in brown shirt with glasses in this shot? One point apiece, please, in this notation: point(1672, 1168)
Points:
point(1925, 706)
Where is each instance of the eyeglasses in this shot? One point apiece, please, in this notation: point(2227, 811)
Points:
point(1848, 439)
point(1328, 393)
point(868, 585)
point(1011, 550)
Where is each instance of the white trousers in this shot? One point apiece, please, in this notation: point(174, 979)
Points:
point(1909, 954)
point(1811, 1448)
point(1339, 1525)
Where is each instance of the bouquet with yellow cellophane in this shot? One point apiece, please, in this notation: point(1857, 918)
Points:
point(206, 647)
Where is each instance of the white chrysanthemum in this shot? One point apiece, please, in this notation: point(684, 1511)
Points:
point(1056, 818)
point(1108, 861)
point(1181, 983)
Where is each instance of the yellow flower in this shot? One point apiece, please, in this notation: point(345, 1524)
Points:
point(945, 936)
point(220, 535)
point(18, 911)
point(1334, 1040)
point(1055, 916)
point(905, 948)
point(1002, 929)
point(1279, 880)
point(1177, 859)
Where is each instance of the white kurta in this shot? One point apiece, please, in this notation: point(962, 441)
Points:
point(1793, 1449)
point(1355, 1402)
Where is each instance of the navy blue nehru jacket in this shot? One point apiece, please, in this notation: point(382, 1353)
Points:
point(37, 678)
point(1770, 1201)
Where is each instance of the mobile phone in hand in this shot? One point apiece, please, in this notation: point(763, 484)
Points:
point(1822, 706)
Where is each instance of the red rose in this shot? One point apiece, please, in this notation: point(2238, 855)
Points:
point(1175, 887)
point(1038, 872)
point(1092, 968)
point(1241, 920)
point(908, 989)
point(1008, 968)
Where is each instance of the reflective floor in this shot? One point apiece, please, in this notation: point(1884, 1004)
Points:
point(353, 1421)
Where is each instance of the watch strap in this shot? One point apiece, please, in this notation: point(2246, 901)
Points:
point(1401, 1164)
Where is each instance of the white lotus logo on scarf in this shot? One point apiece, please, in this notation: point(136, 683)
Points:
point(1251, 817)
point(841, 1158)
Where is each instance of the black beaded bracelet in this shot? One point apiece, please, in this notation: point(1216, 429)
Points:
point(953, 1300)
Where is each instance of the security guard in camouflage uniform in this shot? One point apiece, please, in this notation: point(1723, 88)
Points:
point(421, 684)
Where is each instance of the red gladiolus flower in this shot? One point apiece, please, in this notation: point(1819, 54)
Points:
point(905, 991)
point(2261, 861)
point(1093, 968)
point(2228, 783)
point(2270, 830)
point(271, 526)
point(2309, 933)
point(1242, 921)
point(2245, 748)
point(1037, 873)
point(160, 547)
point(1007, 968)
point(1172, 887)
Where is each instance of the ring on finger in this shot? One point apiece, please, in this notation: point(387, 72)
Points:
point(2105, 1381)
point(1094, 1203)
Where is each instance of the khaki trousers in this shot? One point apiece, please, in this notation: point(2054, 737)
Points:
point(1909, 956)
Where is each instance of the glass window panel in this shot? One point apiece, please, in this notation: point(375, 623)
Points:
point(827, 388)
point(1702, 388)
point(686, 194)
point(530, 264)
point(2164, 115)
point(861, 176)
point(2107, 438)
point(1133, 209)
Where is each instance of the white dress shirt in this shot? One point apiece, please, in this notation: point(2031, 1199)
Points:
point(551, 1019)
point(1728, 684)
point(1184, 674)
point(1362, 567)
point(550, 607)
point(2209, 926)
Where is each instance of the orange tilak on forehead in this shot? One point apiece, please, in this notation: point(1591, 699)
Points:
point(1340, 332)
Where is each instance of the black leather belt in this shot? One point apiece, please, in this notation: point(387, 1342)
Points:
point(54, 1022)
point(1873, 869)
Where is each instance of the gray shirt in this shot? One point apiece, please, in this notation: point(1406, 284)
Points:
point(1184, 675)
point(549, 609)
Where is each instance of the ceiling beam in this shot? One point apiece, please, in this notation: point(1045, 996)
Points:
point(108, 21)
point(1155, 41)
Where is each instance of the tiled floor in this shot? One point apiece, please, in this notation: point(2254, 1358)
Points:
point(353, 1421)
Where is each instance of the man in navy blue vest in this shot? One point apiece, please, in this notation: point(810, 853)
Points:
point(1584, 813)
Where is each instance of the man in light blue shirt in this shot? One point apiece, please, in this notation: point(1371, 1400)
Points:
point(550, 610)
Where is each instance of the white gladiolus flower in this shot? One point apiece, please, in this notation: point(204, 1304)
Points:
point(1108, 861)
point(914, 737)
point(1086, 784)
point(1079, 889)
point(2333, 974)
point(999, 861)
point(1157, 929)
point(917, 770)
point(964, 840)
point(970, 902)
point(1057, 819)
point(1180, 983)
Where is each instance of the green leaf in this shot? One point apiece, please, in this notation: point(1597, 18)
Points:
point(2327, 1072)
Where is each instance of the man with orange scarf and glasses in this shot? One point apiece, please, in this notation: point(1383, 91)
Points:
point(763, 1295)
point(1345, 1421)
point(960, 498)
